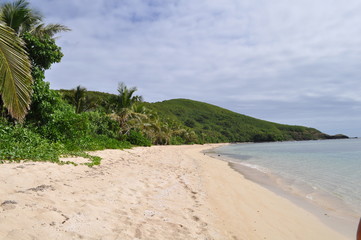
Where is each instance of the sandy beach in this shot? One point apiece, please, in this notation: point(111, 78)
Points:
point(159, 192)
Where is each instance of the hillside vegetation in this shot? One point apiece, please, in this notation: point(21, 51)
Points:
point(215, 124)
point(212, 124)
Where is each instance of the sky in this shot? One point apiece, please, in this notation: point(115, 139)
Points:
point(292, 62)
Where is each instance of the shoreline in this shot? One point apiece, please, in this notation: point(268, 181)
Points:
point(341, 220)
point(158, 192)
point(332, 217)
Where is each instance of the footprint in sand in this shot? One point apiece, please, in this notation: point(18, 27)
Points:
point(42, 188)
point(195, 218)
point(8, 205)
point(138, 234)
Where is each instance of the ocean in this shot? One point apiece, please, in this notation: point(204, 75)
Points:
point(326, 173)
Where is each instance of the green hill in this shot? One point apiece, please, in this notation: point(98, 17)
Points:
point(215, 124)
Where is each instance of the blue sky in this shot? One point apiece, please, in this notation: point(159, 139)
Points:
point(283, 61)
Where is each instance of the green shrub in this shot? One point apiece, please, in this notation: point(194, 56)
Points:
point(45, 101)
point(103, 124)
point(19, 143)
point(137, 138)
point(177, 140)
point(86, 131)
point(65, 126)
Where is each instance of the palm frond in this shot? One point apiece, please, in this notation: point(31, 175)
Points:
point(50, 30)
point(15, 74)
point(19, 16)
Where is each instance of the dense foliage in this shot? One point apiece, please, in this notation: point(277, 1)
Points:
point(43, 51)
point(138, 124)
point(182, 121)
point(21, 29)
point(52, 127)
point(18, 143)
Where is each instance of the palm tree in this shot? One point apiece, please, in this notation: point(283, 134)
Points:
point(128, 113)
point(131, 118)
point(15, 74)
point(125, 101)
point(81, 100)
point(20, 17)
point(126, 97)
point(16, 19)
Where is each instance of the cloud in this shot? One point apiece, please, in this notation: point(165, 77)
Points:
point(289, 56)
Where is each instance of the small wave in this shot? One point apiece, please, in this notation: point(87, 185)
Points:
point(309, 196)
point(259, 168)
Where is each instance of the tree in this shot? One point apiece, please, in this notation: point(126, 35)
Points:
point(125, 107)
point(43, 51)
point(23, 19)
point(15, 74)
point(124, 103)
point(39, 37)
point(21, 23)
point(80, 100)
point(126, 97)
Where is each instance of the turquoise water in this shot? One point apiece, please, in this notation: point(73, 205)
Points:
point(326, 172)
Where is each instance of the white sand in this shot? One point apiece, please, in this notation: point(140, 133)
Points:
point(161, 192)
